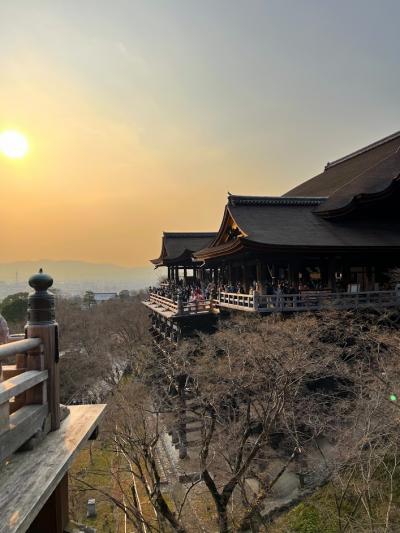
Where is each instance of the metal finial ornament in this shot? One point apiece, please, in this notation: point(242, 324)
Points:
point(41, 302)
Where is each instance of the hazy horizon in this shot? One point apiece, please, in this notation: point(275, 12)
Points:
point(97, 263)
point(76, 277)
point(74, 270)
point(141, 116)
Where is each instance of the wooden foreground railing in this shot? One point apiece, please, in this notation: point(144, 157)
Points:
point(34, 481)
point(180, 308)
point(29, 386)
point(308, 301)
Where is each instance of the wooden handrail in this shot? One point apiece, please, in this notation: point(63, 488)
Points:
point(17, 347)
point(23, 424)
point(155, 296)
point(309, 300)
point(21, 383)
point(188, 308)
point(30, 388)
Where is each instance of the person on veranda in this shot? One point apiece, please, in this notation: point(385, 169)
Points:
point(4, 331)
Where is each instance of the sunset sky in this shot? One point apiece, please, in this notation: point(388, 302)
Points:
point(142, 115)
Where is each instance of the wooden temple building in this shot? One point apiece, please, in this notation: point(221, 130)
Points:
point(177, 251)
point(171, 316)
point(332, 241)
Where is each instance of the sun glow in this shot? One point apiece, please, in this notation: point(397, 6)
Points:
point(13, 144)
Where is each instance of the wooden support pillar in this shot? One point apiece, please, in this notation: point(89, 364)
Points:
point(272, 271)
point(259, 277)
point(371, 274)
point(264, 276)
point(294, 273)
point(169, 273)
point(229, 273)
point(244, 277)
point(216, 276)
point(177, 274)
point(41, 323)
point(184, 273)
point(53, 516)
point(331, 273)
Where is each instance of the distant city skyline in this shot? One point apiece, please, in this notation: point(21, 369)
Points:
point(76, 277)
point(141, 116)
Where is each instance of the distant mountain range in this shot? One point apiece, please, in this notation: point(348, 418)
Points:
point(77, 276)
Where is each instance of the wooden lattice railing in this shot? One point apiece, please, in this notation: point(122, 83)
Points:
point(29, 382)
point(23, 394)
point(309, 301)
point(180, 307)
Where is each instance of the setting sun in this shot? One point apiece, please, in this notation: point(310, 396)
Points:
point(13, 144)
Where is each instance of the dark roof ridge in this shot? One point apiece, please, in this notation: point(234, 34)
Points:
point(189, 234)
point(234, 200)
point(360, 151)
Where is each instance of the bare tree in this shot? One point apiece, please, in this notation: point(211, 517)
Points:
point(317, 391)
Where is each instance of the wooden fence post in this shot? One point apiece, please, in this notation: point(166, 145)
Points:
point(41, 323)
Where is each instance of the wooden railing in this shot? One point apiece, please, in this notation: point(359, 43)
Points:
point(309, 301)
point(232, 299)
point(23, 398)
point(195, 307)
point(179, 307)
point(163, 301)
point(29, 386)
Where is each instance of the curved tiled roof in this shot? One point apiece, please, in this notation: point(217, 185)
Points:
point(180, 246)
point(313, 215)
point(283, 223)
point(371, 185)
point(343, 171)
point(297, 225)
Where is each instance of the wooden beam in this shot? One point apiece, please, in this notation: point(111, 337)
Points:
point(23, 382)
point(4, 417)
point(10, 371)
point(23, 425)
point(17, 347)
point(54, 514)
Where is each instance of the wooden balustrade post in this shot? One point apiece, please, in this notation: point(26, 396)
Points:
point(179, 309)
point(256, 300)
point(41, 323)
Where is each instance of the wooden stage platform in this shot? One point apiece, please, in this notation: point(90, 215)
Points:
point(28, 479)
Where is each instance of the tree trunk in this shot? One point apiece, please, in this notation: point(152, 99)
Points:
point(222, 519)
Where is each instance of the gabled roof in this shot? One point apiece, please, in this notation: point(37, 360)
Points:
point(290, 223)
point(180, 246)
point(345, 171)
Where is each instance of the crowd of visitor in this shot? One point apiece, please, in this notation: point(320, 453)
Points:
point(192, 290)
point(186, 290)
